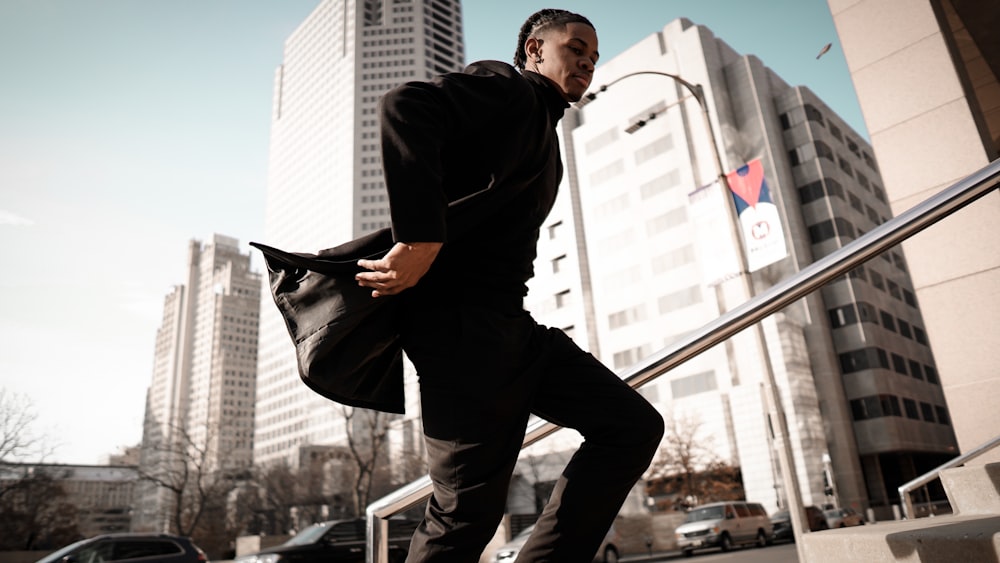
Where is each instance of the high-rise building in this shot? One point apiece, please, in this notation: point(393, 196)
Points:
point(202, 394)
point(927, 75)
point(640, 251)
point(325, 178)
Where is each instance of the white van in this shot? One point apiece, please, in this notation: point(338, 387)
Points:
point(723, 525)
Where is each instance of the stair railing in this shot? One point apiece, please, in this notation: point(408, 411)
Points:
point(779, 296)
point(906, 489)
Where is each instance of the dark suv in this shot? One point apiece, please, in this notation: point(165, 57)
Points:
point(337, 541)
point(781, 521)
point(145, 548)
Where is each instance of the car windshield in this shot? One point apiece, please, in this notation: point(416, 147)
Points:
point(706, 513)
point(780, 515)
point(309, 535)
point(56, 556)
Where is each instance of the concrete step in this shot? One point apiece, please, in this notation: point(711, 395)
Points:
point(941, 539)
point(973, 489)
point(970, 535)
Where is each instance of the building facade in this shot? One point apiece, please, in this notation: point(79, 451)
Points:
point(640, 251)
point(927, 75)
point(200, 403)
point(101, 495)
point(325, 177)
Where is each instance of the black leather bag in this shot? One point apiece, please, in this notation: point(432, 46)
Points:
point(346, 342)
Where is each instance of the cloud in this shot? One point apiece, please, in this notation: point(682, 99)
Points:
point(8, 218)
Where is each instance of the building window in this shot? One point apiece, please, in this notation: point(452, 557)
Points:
point(843, 316)
point(813, 114)
point(942, 415)
point(626, 317)
point(562, 299)
point(899, 364)
point(846, 167)
point(673, 218)
point(557, 263)
point(865, 358)
point(927, 411)
point(628, 357)
point(661, 184)
point(554, 229)
point(693, 384)
point(835, 131)
point(823, 150)
point(875, 406)
point(877, 280)
point(888, 321)
point(680, 299)
point(915, 370)
point(931, 375)
point(673, 259)
point(607, 173)
point(600, 141)
point(910, 408)
point(656, 148)
point(904, 329)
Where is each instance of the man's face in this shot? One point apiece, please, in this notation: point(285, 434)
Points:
point(568, 58)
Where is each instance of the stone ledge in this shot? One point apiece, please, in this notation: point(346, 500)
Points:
point(925, 540)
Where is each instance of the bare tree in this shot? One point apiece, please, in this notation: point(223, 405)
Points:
point(271, 497)
point(184, 468)
point(687, 467)
point(35, 514)
point(18, 440)
point(367, 431)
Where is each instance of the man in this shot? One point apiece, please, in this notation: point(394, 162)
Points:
point(484, 364)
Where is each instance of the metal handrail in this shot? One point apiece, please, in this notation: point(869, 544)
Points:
point(906, 489)
point(782, 294)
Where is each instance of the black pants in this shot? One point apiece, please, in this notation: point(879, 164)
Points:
point(483, 371)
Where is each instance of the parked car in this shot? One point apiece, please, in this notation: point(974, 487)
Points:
point(609, 552)
point(781, 522)
point(723, 525)
point(843, 517)
point(336, 541)
point(124, 548)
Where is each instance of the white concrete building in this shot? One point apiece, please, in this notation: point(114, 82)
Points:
point(202, 393)
point(643, 223)
point(325, 179)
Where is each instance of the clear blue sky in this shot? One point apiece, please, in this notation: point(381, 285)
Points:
point(129, 127)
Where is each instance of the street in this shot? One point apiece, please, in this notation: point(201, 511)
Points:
point(783, 553)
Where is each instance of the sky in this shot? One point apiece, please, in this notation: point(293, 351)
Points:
point(130, 127)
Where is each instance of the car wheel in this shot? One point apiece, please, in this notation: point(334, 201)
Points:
point(726, 543)
point(761, 538)
point(610, 555)
point(688, 552)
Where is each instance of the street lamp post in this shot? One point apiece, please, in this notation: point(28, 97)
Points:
point(793, 495)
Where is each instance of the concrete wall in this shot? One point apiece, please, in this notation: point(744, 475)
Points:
point(925, 133)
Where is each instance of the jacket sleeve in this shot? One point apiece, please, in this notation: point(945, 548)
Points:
point(419, 119)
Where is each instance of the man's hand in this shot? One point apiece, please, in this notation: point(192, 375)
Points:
point(400, 269)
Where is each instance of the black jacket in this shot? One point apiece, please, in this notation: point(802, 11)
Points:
point(459, 133)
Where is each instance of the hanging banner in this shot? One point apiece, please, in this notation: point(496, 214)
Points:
point(713, 242)
point(763, 237)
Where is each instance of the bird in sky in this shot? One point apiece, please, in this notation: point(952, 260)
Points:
point(824, 50)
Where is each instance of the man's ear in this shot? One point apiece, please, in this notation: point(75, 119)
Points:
point(532, 46)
